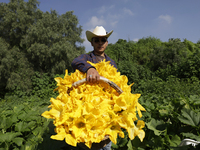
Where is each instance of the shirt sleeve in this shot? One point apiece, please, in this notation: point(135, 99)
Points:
point(81, 64)
point(112, 62)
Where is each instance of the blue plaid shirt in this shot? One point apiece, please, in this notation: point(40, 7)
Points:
point(81, 64)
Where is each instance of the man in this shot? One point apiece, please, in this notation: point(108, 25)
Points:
point(99, 40)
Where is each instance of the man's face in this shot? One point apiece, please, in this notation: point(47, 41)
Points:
point(99, 44)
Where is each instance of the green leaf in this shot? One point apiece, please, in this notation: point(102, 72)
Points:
point(189, 117)
point(9, 122)
point(14, 118)
point(6, 122)
point(115, 146)
point(29, 126)
point(18, 141)
point(3, 123)
point(7, 112)
point(29, 145)
point(136, 142)
point(32, 117)
point(9, 136)
point(23, 126)
point(129, 145)
point(22, 116)
point(191, 136)
point(149, 105)
point(157, 126)
point(19, 126)
point(163, 112)
point(38, 130)
point(18, 108)
point(122, 142)
point(175, 141)
point(195, 99)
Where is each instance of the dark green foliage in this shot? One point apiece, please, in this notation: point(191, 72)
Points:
point(15, 71)
point(43, 85)
point(172, 52)
point(16, 18)
point(51, 42)
point(162, 59)
point(22, 125)
point(34, 41)
point(167, 76)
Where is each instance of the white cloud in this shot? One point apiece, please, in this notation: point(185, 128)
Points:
point(108, 17)
point(105, 9)
point(136, 39)
point(113, 23)
point(95, 21)
point(113, 16)
point(166, 18)
point(111, 6)
point(102, 10)
point(128, 11)
point(113, 19)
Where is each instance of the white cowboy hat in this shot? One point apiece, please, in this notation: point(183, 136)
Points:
point(98, 31)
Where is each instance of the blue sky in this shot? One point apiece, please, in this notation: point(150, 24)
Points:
point(133, 19)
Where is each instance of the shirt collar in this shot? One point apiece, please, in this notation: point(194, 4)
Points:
point(106, 56)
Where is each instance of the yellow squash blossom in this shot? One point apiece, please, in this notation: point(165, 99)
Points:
point(91, 111)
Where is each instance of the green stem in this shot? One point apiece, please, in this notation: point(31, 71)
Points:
point(7, 146)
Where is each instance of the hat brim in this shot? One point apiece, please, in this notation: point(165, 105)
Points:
point(90, 35)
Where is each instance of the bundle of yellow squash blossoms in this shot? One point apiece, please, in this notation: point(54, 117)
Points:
point(92, 111)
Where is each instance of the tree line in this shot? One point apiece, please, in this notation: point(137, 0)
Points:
point(150, 57)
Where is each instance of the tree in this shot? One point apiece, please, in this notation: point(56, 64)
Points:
point(120, 51)
point(33, 41)
point(128, 61)
point(16, 18)
point(170, 53)
point(51, 43)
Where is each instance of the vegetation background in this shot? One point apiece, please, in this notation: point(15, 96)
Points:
point(36, 47)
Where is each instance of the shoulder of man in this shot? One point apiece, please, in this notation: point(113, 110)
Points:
point(108, 58)
point(86, 56)
point(89, 54)
point(111, 61)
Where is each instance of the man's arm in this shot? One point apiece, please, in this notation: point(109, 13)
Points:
point(81, 64)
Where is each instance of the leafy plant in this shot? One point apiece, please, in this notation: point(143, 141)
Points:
point(22, 126)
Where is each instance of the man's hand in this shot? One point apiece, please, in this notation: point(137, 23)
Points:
point(92, 75)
